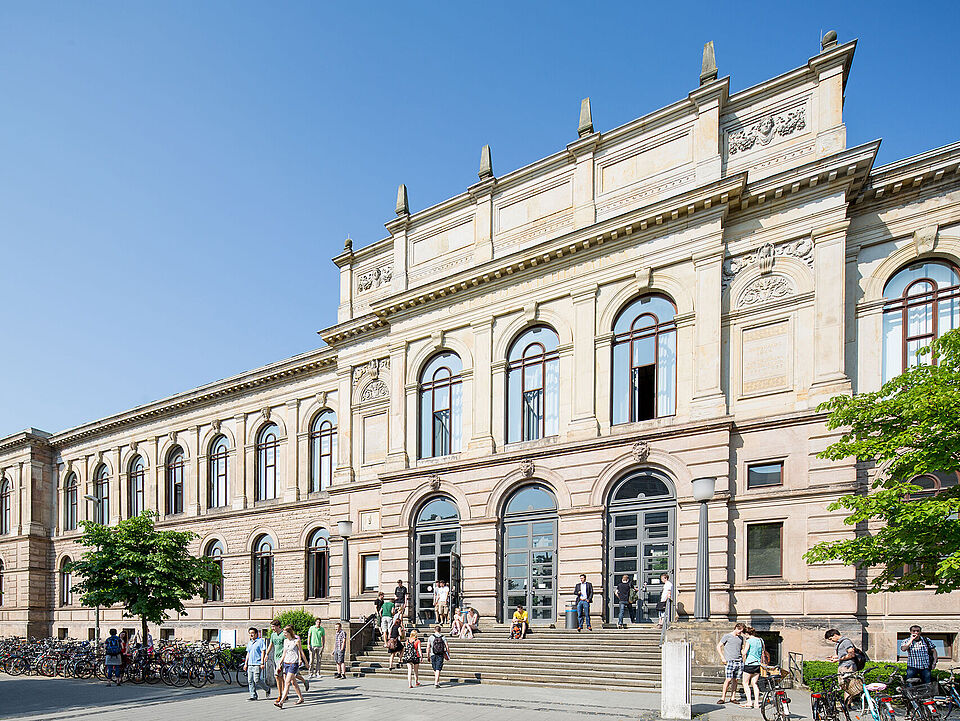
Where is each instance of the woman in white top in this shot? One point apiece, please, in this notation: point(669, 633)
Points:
point(293, 656)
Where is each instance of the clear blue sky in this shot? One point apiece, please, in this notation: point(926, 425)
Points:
point(175, 176)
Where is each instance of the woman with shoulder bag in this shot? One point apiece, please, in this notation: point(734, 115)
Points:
point(753, 652)
point(411, 657)
point(394, 644)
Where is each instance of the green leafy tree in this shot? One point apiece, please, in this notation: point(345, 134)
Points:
point(300, 619)
point(149, 573)
point(910, 427)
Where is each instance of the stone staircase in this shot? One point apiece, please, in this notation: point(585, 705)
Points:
point(603, 659)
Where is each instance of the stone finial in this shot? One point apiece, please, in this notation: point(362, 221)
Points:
point(708, 68)
point(403, 205)
point(348, 245)
point(486, 163)
point(828, 40)
point(586, 119)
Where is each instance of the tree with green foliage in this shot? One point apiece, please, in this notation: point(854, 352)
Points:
point(909, 428)
point(300, 619)
point(149, 573)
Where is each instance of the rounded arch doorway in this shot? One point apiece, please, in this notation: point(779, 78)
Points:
point(641, 530)
point(530, 553)
point(436, 542)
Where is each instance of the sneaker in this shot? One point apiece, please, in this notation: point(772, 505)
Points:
point(252, 698)
point(306, 684)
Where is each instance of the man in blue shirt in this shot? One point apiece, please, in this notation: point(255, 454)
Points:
point(253, 664)
point(921, 655)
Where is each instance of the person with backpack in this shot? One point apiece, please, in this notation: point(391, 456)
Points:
point(753, 653)
point(921, 656)
point(849, 660)
point(113, 648)
point(439, 652)
point(412, 656)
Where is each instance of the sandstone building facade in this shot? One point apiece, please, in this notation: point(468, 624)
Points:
point(524, 380)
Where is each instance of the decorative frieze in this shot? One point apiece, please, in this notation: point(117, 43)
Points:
point(640, 451)
point(375, 391)
point(801, 249)
point(372, 369)
point(764, 289)
point(375, 278)
point(764, 130)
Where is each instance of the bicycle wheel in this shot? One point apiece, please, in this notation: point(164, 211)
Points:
point(151, 672)
point(241, 677)
point(47, 667)
point(817, 709)
point(17, 665)
point(83, 668)
point(767, 709)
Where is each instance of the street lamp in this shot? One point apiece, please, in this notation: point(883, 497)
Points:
point(98, 503)
point(703, 490)
point(345, 529)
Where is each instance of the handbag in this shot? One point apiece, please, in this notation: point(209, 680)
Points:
point(393, 645)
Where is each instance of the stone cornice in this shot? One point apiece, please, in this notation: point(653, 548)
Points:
point(919, 172)
point(25, 438)
point(285, 370)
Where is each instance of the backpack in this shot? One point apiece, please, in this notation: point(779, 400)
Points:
point(112, 645)
point(439, 645)
point(410, 653)
point(859, 658)
point(931, 653)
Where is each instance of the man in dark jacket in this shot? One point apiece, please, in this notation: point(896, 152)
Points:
point(584, 595)
point(623, 600)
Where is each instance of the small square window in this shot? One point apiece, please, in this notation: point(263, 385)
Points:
point(61, 633)
point(167, 634)
point(765, 550)
point(91, 634)
point(760, 475)
point(369, 572)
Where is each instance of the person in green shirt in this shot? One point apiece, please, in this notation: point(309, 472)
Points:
point(276, 639)
point(317, 639)
point(386, 618)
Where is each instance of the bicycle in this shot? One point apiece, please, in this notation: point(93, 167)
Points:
point(950, 699)
point(879, 708)
point(919, 699)
point(774, 704)
point(827, 704)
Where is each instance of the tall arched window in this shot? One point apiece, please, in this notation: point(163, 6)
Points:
point(70, 503)
point(267, 445)
point(533, 385)
point(318, 555)
point(66, 582)
point(645, 360)
point(101, 491)
point(323, 449)
point(4, 507)
point(214, 552)
point(263, 568)
point(175, 481)
point(1, 582)
point(218, 473)
point(922, 303)
point(135, 486)
point(441, 406)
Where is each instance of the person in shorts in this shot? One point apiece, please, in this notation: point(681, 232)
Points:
point(275, 644)
point(291, 658)
point(439, 651)
point(386, 619)
point(730, 649)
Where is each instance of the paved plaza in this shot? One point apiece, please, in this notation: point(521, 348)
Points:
point(348, 700)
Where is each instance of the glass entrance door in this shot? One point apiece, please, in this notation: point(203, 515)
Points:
point(436, 560)
point(530, 576)
point(641, 547)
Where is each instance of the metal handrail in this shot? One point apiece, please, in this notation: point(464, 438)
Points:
point(795, 666)
point(366, 623)
point(667, 616)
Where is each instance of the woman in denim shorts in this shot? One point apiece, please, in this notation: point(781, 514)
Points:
point(293, 656)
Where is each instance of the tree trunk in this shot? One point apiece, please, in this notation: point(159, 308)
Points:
point(143, 626)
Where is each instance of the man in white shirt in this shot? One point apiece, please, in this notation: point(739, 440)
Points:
point(666, 596)
point(441, 595)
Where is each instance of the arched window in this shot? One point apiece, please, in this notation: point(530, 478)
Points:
point(922, 303)
point(441, 406)
point(323, 450)
point(263, 568)
point(531, 499)
point(267, 445)
point(70, 503)
point(4, 507)
point(438, 510)
point(101, 491)
point(529, 553)
point(214, 552)
point(135, 494)
point(175, 481)
point(640, 487)
point(318, 547)
point(933, 483)
point(645, 360)
point(219, 473)
point(533, 385)
point(66, 582)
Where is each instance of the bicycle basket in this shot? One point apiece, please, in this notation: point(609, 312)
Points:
point(921, 691)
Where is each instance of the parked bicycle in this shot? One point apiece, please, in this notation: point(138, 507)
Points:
point(826, 699)
point(774, 704)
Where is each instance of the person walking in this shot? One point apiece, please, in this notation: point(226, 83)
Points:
point(583, 593)
point(316, 639)
point(340, 651)
point(752, 654)
point(439, 652)
point(400, 596)
point(624, 589)
point(730, 649)
point(921, 655)
point(254, 662)
point(275, 645)
point(113, 648)
point(394, 642)
point(386, 619)
point(412, 656)
point(666, 597)
point(291, 657)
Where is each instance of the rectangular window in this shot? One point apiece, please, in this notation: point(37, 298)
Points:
point(61, 633)
point(764, 550)
point(771, 643)
point(943, 642)
point(167, 634)
point(760, 475)
point(211, 634)
point(369, 572)
point(91, 634)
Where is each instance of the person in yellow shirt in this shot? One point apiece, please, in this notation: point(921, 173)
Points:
point(520, 623)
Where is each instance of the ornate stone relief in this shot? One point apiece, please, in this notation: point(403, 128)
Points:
point(801, 249)
point(322, 398)
point(765, 129)
point(435, 481)
point(172, 435)
point(376, 390)
point(265, 412)
point(373, 369)
point(374, 278)
point(215, 425)
point(640, 451)
point(133, 446)
point(527, 468)
point(767, 288)
point(925, 238)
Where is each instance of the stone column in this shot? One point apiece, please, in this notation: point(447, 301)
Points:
point(583, 422)
point(829, 265)
point(396, 449)
point(291, 486)
point(481, 442)
point(238, 494)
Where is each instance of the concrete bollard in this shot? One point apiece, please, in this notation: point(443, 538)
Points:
point(675, 676)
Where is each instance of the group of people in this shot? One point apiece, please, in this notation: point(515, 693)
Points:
point(744, 655)
point(628, 600)
point(118, 651)
point(289, 658)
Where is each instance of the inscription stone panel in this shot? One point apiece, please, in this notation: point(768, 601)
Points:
point(765, 358)
point(375, 438)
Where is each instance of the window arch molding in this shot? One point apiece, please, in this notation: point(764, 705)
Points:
point(663, 284)
point(254, 537)
point(258, 423)
point(497, 500)
point(503, 340)
point(424, 493)
point(212, 434)
point(947, 250)
point(657, 460)
point(310, 410)
point(427, 350)
point(794, 269)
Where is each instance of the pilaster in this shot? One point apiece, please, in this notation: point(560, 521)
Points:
point(482, 193)
point(708, 398)
point(481, 442)
point(118, 484)
point(583, 421)
point(584, 186)
point(396, 450)
point(291, 483)
point(238, 493)
point(398, 229)
point(344, 470)
point(709, 99)
point(829, 262)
